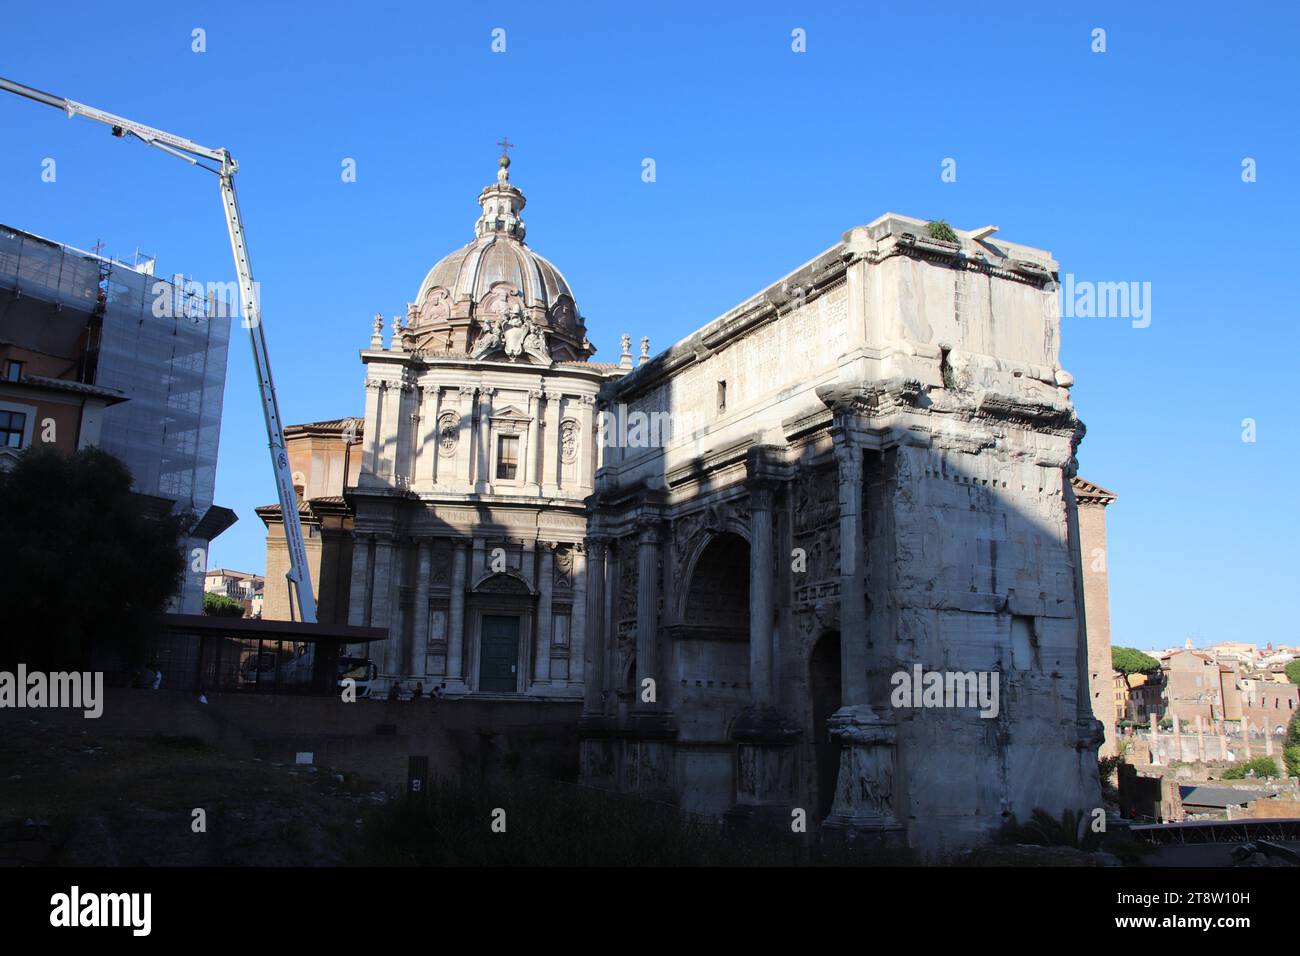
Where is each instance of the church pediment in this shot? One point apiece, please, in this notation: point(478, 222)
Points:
point(509, 413)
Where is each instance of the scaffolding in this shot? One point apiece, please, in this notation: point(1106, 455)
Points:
point(160, 342)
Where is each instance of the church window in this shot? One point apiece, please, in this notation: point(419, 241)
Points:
point(722, 397)
point(507, 457)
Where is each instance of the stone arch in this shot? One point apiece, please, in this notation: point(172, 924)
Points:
point(698, 544)
point(717, 583)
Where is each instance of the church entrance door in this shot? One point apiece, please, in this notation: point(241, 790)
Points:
point(499, 654)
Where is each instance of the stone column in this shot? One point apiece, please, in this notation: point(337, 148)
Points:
point(1268, 741)
point(765, 752)
point(1200, 738)
point(608, 625)
point(426, 456)
point(1223, 746)
point(381, 598)
point(408, 421)
point(545, 587)
point(1155, 738)
point(586, 461)
point(465, 443)
point(483, 479)
point(389, 427)
point(1178, 739)
point(532, 455)
point(647, 610)
point(597, 754)
point(760, 594)
point(578, 615)
point(358, 587)
point(420, 628)
point(863, 809)
point(456, 618)
point(370, 439)
point(853, 593)
point(550, 446)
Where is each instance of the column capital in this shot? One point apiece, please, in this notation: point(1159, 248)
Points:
point(466, 391)
point(761, 491)
point(848, 457)
point(649, 529)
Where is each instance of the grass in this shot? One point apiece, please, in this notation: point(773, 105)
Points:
point(549, 824)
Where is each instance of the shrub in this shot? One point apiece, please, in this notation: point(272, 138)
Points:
point(942, 231)
point(1260, 766)
point(1043, 829)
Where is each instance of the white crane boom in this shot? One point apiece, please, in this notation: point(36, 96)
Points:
point(299, 574)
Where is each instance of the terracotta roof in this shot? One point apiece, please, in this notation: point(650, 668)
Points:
point(111, 395)
point(331, 427)
point(308, 508)
point(1087, 491)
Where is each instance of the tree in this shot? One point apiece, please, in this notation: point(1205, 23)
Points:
point(1292, 671)
point(84, 562)
point(218, 605)
point(1128, 660)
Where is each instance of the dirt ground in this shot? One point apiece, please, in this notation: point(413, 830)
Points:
point(67, 798)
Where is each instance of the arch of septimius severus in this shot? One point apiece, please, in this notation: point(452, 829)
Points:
point(864, 470)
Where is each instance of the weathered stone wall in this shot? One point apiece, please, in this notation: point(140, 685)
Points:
point(463, 739)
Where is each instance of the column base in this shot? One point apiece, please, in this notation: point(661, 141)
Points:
point(764, 768)
point(647, 756)
point(864, 812)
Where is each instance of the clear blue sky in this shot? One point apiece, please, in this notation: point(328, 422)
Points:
point(1127, 165)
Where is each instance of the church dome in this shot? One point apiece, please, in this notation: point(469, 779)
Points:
point(495, 275)
point(473, 269)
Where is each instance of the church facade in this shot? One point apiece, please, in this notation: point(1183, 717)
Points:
point(477, 453)
point(853, 588)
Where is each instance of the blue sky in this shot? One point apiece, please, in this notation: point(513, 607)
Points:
point(1125, 164)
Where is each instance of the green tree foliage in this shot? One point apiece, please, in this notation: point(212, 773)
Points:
point(1128, 661)
point(1262, 767)
point(83, 562)
point(1292, 671)
point(1291, 746)
point(218, 605)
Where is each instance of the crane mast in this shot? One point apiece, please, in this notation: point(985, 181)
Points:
point(299, 574)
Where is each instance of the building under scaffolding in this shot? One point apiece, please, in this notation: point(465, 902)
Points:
point(151, 352)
